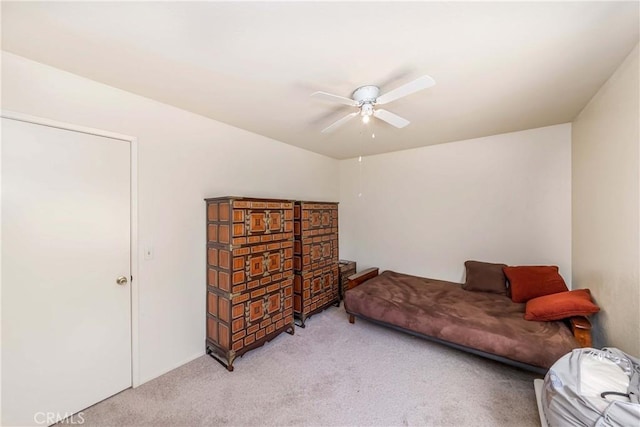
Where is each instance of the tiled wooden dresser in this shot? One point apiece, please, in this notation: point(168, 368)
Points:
point(249, 274)
point(347, 268)
point(315, 258)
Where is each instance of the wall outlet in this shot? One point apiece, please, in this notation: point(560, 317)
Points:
point(148, 252)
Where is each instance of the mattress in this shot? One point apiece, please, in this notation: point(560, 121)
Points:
point(489, 323)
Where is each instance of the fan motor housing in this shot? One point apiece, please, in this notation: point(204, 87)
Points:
point(366, 94)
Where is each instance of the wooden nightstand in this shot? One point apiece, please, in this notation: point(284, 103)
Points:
point(347, 268)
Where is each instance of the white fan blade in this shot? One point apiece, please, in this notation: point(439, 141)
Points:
point(339, 123)
point(404, 90)
point(334, 98)
point(391, 118)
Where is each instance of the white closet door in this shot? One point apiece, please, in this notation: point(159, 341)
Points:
point(66, 322)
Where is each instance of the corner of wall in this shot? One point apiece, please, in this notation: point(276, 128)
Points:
point(606, 206)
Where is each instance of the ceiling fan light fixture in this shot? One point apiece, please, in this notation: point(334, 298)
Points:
point(365, 97)
point(366, 109)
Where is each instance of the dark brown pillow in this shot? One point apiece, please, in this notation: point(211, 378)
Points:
point(485, 277)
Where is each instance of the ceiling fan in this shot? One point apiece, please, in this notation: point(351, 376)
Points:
point(365, 98)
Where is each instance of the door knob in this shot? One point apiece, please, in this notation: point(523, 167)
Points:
point(121, 280)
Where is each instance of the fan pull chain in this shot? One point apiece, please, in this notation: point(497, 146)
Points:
point(362, 129)
point(373, 134)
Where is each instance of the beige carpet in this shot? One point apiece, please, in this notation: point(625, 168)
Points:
point(332, 374)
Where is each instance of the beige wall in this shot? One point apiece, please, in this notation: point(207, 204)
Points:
point(605, 206)
point(504, 198)
point(182, 159)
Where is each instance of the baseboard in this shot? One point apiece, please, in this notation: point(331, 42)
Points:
point(176, 366)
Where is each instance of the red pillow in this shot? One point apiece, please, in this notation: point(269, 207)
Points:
point(561, 305)
point(531, 281)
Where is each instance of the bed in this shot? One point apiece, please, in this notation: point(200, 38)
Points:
point(482, 323)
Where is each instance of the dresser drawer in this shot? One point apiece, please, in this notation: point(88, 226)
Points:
point(249, 267)
point(245, 221)
point(237, 321)
point(315, 290)
point(312, 253)
point(315, 218)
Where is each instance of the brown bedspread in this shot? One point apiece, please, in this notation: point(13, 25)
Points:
point(483, 321)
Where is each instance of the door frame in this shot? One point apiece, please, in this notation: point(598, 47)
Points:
point(133, 157)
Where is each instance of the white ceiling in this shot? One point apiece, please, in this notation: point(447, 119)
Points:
point(499, 67)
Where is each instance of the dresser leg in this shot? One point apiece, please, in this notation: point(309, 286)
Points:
point(224, 360)
point(352, 318)
point(300, 321)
